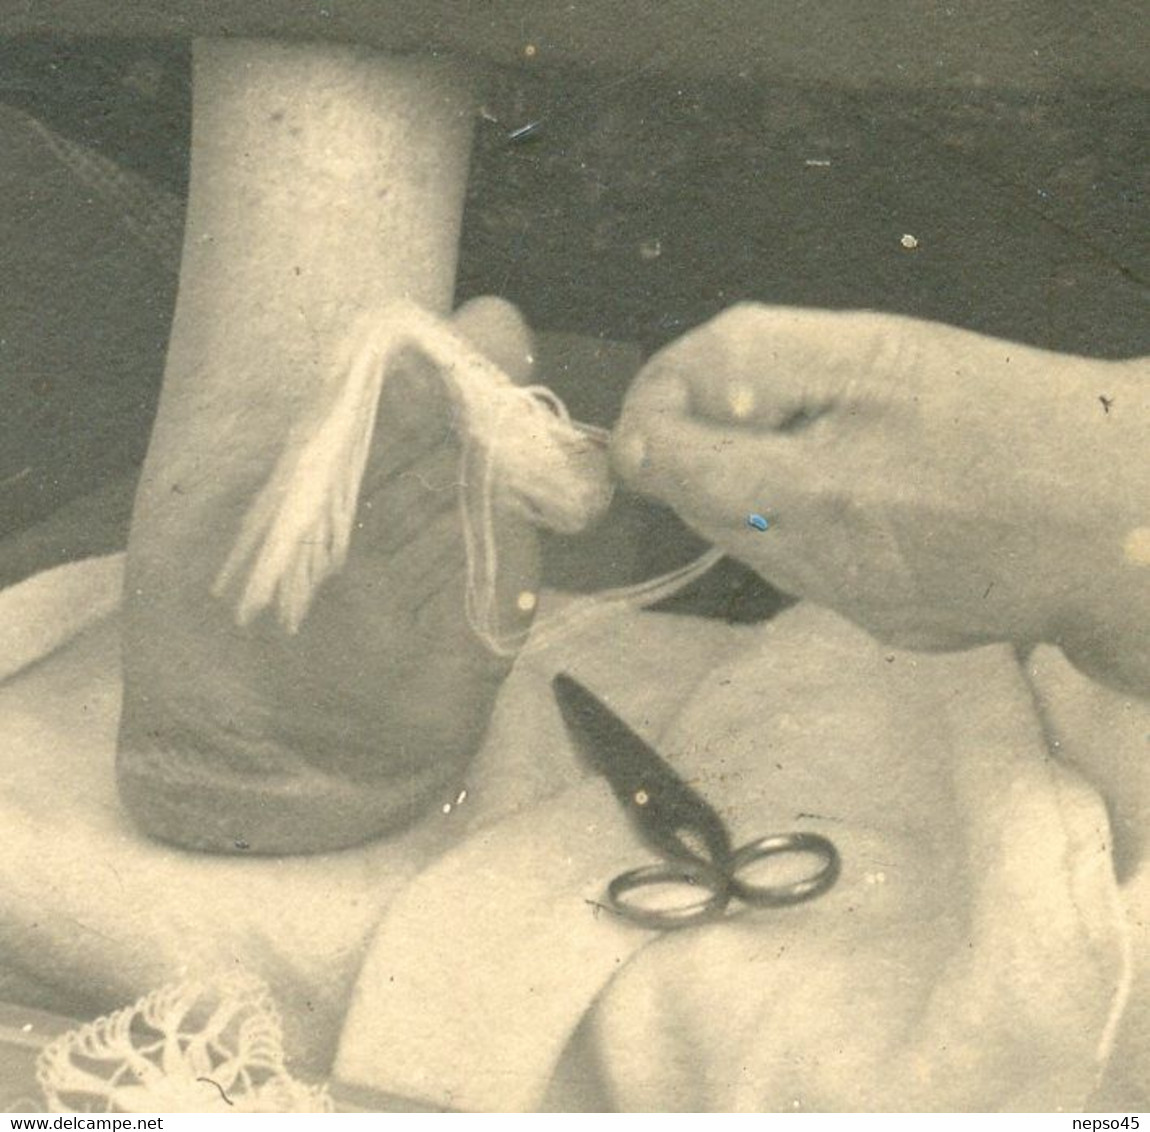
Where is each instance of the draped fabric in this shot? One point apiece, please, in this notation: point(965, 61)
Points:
point(974, 955)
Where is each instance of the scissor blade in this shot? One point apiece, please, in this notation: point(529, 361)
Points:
point(607, 745)
point(660, 804)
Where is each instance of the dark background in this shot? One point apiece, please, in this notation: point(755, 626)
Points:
point(634, 208)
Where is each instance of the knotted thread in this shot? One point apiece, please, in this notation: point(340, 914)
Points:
point(521, 452)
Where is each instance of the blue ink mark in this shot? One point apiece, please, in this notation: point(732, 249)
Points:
point(758, 522)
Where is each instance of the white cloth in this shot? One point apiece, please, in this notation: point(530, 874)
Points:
point(93, 915)
point(973, 955)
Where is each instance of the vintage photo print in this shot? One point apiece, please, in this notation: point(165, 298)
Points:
point(573, 557)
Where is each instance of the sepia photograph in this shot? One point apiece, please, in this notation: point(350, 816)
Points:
point(577, 556)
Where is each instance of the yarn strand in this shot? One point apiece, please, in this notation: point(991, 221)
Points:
point(521, 451)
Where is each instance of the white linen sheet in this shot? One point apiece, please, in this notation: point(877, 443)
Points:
point(975, 953)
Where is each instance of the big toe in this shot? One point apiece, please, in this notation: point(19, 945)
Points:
point(498, 331)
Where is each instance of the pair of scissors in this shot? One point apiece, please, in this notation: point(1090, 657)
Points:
point(681, 826)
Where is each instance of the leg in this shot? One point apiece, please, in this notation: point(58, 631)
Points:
point(326, 181)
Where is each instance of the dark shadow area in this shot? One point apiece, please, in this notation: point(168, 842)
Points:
point(627, 209)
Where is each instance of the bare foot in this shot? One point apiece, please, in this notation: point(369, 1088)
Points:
point(254, 739)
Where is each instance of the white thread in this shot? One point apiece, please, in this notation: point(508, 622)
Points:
point(210, 1046)
point(649, 592)
point(521, 452)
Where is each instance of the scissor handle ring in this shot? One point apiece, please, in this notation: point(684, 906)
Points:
point(707, 877)
point(777, 895)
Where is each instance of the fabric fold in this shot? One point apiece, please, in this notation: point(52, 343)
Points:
point(970, 958)
point(975, 954)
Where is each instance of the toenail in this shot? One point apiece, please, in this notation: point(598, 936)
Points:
point(741, 399)
point(632, 453)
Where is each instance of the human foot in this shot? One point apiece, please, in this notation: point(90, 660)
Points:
point(257, 738)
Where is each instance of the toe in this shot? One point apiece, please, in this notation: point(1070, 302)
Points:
point(498, 331)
